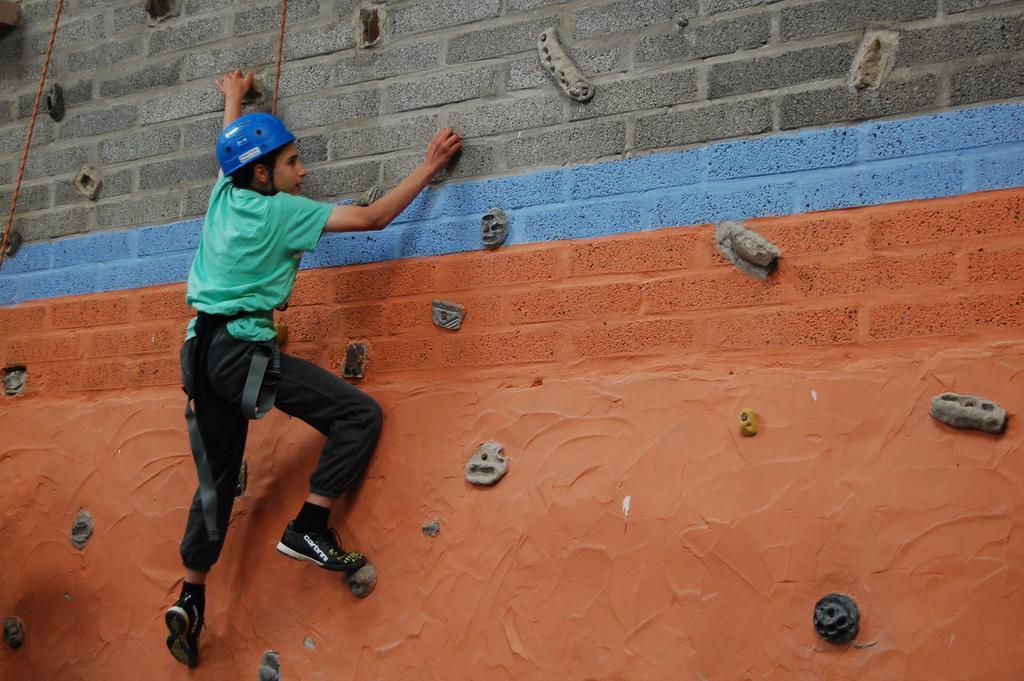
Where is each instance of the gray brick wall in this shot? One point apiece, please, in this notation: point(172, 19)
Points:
point(142, 108)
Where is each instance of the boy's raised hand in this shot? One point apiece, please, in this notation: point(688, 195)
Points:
point(441, 149)
point(235, 85)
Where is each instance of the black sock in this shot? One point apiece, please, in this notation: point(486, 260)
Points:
point(196, 591)
point(311, 517)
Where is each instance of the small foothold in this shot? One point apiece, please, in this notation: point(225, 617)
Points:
point(362, 582)
point(372, 194)
point(836, 618)
point(432, 528)
point(14, 632)
point(370, 19)
point(748, 422)
point(82, 528)
point(749, 251)
point(355, 361)
point(270, 666)
point(243, 478)
point(53, 101)
point(570, 78)
point(160, 10)
point(494, 228)
point(969, 411)
point(309, 642)
point(488, 464)
point(447, 315)
point(14, 380)
point(88, 183)
point(257, 91)
point(13, 243)
point(874, 60)
point(282, 333)
point(67, 596)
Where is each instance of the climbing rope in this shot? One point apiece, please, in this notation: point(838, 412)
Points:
point(28, 138)
point(280, 55)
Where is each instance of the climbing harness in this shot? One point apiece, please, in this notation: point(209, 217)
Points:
point(257, 398)
point(28, 138)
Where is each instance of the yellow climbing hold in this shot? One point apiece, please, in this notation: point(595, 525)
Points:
point(748, 422)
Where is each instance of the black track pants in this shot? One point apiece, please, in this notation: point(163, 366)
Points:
point(349, 418)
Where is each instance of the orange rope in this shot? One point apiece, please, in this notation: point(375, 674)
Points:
point(280, 55)
point(28, 139)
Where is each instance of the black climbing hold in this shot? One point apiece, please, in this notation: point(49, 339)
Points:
point(81, 529)
point(836, 618)
point(53, 101)
point(14, 632)
point(13, 243)
point(355, 361)
point(432, 528)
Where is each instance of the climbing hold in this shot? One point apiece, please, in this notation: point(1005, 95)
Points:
point(243, 478)
point(362, 581)
point(371, 195)
point(836, 618)
point(447, 315)
point(270, 666)
point(88, 182)
point(53, 101)
point(309, 642)
point(487, 465)
point(257, 91)
point(81, 529)
point(13, 243)
point(8, 16)
point(748, 422)
point(14, 380)
point(14, 632)
point(968, 411)
point(355, 361)
point(282, 333)
point(161, 10)
point(561, 68)
point(874, 60)
point(370, 21)
point(749, 251)
point(494, 228)
point(432, 528)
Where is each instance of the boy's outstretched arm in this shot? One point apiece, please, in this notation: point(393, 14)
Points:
point(381, 212)
point(234, 86)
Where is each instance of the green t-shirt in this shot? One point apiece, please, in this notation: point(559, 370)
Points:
point(249, 253)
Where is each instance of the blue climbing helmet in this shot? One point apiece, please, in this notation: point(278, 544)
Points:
point(250, 137)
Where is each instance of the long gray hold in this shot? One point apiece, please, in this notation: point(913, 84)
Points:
point(968, 411)
point(557, 63)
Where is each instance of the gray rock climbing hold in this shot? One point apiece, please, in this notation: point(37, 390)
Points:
point(270, 666)
point(13, 243)
point(243, 478)
point(754, 255)
point(488, 464)
point(968, 411)
point(15, 377)
point(874, 60)
point(88, 183)
point(372, 194)
point(362, 582)
point(447, 315)
point(557, 63)
point(494, 228)
point(432, 528)
point(836, 618)
point(309, 642)
point(53, 101)
point(81, 529)
point(14, 632)
point(355, 361)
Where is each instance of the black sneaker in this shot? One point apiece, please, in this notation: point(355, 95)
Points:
point(320, 547)
point(185, 621)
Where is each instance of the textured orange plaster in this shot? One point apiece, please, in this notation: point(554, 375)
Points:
point(849, 486)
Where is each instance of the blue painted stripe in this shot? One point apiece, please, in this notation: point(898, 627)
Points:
point(924, 157)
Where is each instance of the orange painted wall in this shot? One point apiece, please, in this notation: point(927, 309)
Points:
point(607, 368)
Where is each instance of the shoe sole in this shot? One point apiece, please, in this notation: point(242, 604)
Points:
point(292, 553)
point(177, 623)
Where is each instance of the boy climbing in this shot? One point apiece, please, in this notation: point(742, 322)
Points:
point(257, 227)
